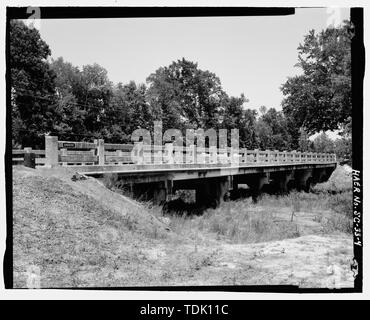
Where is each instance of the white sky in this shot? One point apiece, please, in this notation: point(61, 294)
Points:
point(251, 55)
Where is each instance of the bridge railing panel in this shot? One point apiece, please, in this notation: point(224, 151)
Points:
point(76, 153)
point(117, 157)
point(100, 153)
point(70, 157)
point(18, 156)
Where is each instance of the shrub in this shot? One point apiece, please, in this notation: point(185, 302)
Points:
point(340, 181)
point(110, 180)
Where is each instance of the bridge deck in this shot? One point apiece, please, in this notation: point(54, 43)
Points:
point(190, 171)
point(155, 172)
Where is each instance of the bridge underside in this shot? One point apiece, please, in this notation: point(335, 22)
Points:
point(211, 183)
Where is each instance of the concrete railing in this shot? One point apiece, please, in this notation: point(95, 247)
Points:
point(99, 153)
point(19, 154)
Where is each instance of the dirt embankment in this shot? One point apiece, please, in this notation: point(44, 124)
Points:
point(76, 234)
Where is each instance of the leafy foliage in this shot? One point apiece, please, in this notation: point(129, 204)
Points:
point(31, 81)
point(320, 98)
point(82, 103)
point(322, 143)
point(272, 131)
point(182, 95)
point(343, 149)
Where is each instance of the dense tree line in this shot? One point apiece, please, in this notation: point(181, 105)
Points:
point(55, 97)
point(319, 99)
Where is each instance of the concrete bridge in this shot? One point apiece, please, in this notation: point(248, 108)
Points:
point(211, 182)
point(156, 172)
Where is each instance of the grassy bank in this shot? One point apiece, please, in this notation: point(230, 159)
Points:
point(80, 234)
point(77, 233)
point(276, 217)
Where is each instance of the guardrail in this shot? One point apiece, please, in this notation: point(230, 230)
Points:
point(18, 156)
point(99, 153)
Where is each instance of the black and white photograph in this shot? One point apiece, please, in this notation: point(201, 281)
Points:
point(190, 149)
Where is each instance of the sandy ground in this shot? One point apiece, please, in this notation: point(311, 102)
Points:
point(77, 234)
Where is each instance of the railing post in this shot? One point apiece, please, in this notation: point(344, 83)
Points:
point(169, 153)
point(212, 154)
point(119, 154)
point(298, 156)
point(147, 154)
point(51, 151)
point(294, 152)
point(222, 156)
point(285, 156)
point(179, 154)
point(257, 155)
point(190, 154)
point(158, 154)
point(29, 158)
point(234, 156)
point(137, 153)
point(100, 151)
point(271, 156)
point(201, 155)
point(244, 155)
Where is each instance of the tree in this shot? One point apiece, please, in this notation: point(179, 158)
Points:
point(304, 144)
point(272, 131)
point(262, 110)
point(323, 144)
point(84, 100)
point(320, 98)
point(32, 86)
point(182, 95)
point(343, 149)
point(95, 98)
point(71, 115)
point(234, 116)
point(128, 111)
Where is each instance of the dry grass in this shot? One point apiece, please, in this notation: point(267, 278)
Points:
point(244, 222)
point(236, 222)
point(80, 234)
point(75, 240)
point(340, 181)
